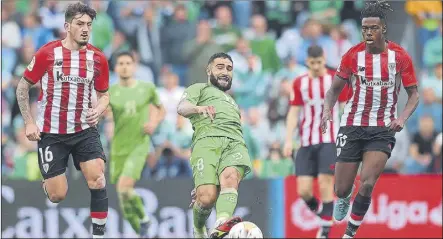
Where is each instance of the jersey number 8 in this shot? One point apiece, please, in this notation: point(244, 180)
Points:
point(200, 165)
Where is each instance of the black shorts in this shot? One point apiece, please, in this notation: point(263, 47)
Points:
point(315, 159)
point(353, 141)
point(54, 150)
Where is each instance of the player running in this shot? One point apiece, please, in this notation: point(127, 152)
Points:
point(219, 157)
point(317, 152)
point(67, 70)
point(375, 68)
point(130, 104)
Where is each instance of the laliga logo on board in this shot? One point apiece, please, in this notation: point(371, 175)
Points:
point(395, 214)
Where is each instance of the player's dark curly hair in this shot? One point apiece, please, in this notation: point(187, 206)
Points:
point(220, 55)
point(79, 8)
point(376, 9)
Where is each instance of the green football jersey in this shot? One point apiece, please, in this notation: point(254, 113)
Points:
point(227, 114)
point(130, 107)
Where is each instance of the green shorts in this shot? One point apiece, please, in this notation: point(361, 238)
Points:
point(129, 165)
point(211, 155)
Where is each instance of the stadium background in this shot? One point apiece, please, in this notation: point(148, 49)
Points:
point(267, 40)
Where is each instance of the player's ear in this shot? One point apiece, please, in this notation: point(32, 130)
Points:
point(384, 29)
point(66, 25)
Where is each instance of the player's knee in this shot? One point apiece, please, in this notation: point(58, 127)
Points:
point(342, 192)
point(206, 197)
point(230, 178)
point(366, 188)
point(304, 192)
point(97, 181)
point(125, 193)
point(325, 183)
point(56, 196)
point(55, 190)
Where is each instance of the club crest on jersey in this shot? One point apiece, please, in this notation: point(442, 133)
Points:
point(31, 64)
point(46, 167)
point(90, 65)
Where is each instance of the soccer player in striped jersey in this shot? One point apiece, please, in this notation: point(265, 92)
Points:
point(317, 151)
point(68, 70)
point(376, 68)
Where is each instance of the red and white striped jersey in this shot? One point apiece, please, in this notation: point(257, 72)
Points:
point(375, 80)
point(66, 78)
point(310, 93)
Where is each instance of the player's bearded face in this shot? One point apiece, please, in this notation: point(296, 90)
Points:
point(80, 29)
point(222, 82)
point(220, 74)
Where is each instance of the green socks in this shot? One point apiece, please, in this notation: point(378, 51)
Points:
point(132, 207)
point(137, 204)
point(225, 206)
point(200, 216)
point(226, 203)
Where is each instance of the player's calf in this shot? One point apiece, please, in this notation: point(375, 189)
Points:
point(304, 190)
point(227, 201)
point(360, 206)
point(326, 188)
point(373, 165)
point(206, 195)
point(93, 171)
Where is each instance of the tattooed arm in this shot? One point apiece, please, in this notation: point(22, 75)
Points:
point(32, 131)
point(23, 100)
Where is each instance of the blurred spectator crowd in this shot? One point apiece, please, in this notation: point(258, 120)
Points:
point(172, 42)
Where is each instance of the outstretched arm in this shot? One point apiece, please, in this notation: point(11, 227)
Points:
point(186, 108)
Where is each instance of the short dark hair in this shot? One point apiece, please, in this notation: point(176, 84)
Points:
point(124, 53)
point(376, 9)
point(220, 55)
point(315, 51)
point(79, 8)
